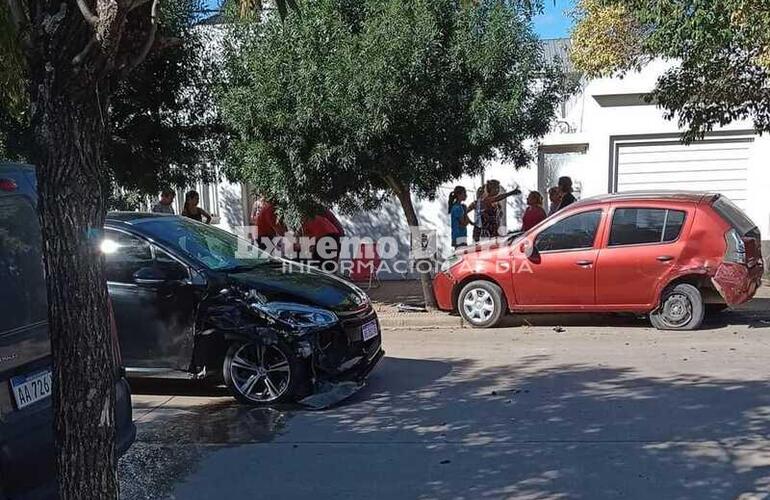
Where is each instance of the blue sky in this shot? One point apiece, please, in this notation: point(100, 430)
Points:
point(554, 22)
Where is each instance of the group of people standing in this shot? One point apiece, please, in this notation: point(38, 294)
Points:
point(190, 209)
point(489, 212)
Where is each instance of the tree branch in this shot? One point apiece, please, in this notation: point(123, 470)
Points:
point(89, 16)
point(78, 59)
point(20, 22)
point(136, 3)
point(150, 36)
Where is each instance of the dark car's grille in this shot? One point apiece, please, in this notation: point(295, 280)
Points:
point(353, 325)
point(341, 346)
point(354, 329)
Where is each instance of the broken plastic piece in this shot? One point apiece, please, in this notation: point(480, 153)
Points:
point(328, 394)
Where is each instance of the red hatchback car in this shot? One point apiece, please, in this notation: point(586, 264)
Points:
point(674, 256)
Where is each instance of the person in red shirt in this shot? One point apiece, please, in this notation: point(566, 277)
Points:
point(534, 213)
point(267, 225)
point(325, 225)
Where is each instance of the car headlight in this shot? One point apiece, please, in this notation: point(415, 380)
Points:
point(451, 262)
point(297, 315)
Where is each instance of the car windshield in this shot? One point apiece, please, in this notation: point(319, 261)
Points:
point(212, 247)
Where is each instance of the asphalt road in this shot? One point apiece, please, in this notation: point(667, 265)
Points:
point(592, 412)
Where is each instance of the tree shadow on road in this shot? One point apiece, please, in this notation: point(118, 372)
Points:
point(454, 428)
point(527, 430)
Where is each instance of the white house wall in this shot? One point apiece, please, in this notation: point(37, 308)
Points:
point(582, 146)
point(389, 220)
point(599, 128)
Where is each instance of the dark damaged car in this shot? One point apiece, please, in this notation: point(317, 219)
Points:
point(197, 301)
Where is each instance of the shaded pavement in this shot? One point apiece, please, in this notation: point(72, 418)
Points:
point(592, 412)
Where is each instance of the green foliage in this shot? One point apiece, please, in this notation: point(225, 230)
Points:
point(723, 49)
point(12, 92)
point(333, 105)
point(13, 98)
point(164, 128)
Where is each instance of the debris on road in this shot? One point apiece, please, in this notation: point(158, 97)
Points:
point(559, 329)
point(329, 394)
point(408, 308)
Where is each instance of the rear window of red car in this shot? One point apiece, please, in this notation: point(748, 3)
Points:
point(733, 215)
point(637, 226)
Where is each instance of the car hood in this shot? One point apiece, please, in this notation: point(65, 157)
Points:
point(279, 281)
point(492, 244)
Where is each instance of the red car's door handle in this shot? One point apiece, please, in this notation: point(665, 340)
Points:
point(665, 258)
point(584, 262)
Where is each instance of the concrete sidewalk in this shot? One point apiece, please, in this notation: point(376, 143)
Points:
point(390, 294)
point(387, 297)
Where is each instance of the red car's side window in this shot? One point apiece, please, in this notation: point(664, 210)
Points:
point(571, 233)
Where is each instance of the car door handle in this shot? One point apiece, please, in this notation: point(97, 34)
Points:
point(584, 262)
point(665, 258)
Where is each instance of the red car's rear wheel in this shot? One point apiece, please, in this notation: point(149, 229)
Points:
point(681, 308)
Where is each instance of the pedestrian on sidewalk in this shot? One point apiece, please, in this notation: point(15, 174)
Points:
point(458, 215)
point(256, 208)
point(490, 211)
point(565, 188)
point(534, 214)
point(164, 205)
point(476, 208)
point(192, 210)
point(554, 198)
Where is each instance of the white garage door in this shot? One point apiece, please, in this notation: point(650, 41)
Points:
point(718, 165)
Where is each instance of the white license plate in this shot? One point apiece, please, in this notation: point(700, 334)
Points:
point(370, 330)
point(31, 388)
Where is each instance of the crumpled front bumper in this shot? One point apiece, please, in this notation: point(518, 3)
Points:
point(341, 360)
point(329, 392)
point(443, 284)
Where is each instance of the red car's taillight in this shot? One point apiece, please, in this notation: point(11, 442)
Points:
point(736, 248)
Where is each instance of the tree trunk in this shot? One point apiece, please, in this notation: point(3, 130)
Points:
point(71, 184)
point(405, 197)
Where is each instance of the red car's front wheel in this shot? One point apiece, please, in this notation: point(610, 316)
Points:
point(481, 304)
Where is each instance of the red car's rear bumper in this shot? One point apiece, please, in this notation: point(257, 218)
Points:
point(737, 283)
point(443, 285)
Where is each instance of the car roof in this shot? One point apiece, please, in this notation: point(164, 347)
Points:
point(16, 167)
point(675, 196)
point(130, 217)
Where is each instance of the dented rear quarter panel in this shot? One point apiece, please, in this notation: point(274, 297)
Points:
point(703, 247)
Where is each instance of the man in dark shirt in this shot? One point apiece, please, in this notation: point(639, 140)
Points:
point(565, 186)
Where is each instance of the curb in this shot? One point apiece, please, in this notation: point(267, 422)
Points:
point(396, 321)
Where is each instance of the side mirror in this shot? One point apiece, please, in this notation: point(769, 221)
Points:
point(528, 249)
point(150, 276)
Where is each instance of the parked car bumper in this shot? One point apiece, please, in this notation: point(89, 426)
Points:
point(27, 459)
point(737, 283)
point(341, 353)
point(443, 284)
point(125, 430)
